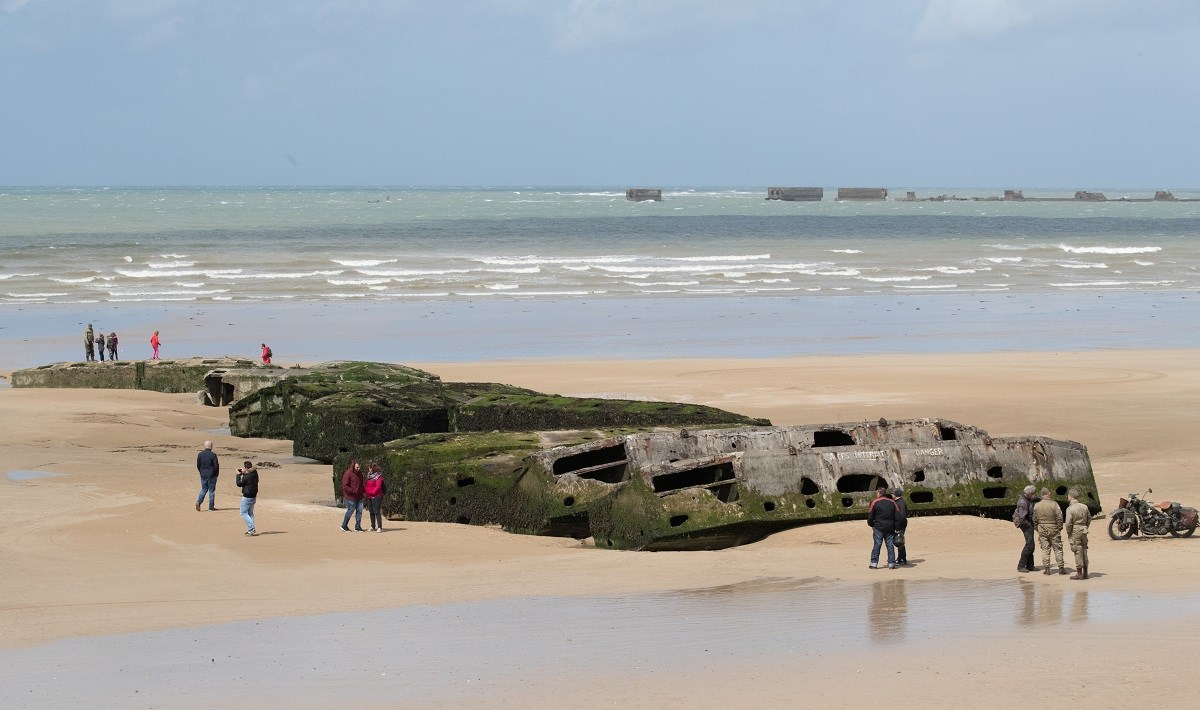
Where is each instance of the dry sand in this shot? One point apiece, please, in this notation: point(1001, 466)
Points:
point(115, 545)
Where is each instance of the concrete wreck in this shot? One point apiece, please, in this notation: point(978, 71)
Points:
point(710, 488)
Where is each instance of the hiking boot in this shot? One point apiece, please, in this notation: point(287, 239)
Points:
point(1063, 570)
point(1022, 569)
point(1047, 571)
point(1079, 574)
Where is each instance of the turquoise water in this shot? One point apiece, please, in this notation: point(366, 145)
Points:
point(156, 245)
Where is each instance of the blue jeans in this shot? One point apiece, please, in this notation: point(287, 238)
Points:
point(882, 537)
point(248, 512)
point(208, 485)
point(356, 507)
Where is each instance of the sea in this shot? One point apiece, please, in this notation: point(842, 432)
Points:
point(468, 274)
point(206, 245)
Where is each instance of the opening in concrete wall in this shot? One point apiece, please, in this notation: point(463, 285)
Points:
point(718, 477)
point(921, 496)
point(569, 501)
point(947, 433)
point(847, 502)
point(1061, 490)
point(810, 503)
point(607, 465)
point(465, 481)
point(768, 506)
point(832, 437)
point(859, 483)
point(677, 520)
point(808, 486)
point(917, 476)
point(995, 492)
point(995, 472)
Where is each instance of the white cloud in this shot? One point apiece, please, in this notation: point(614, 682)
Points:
point(946, 20)
point(587, 24)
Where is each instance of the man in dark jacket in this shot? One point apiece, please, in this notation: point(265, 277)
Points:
point(884, 518)
point(1023, 519)
point(209, 468)
point(901, 526)
point(247, 478)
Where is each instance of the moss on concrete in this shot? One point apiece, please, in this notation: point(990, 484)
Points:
point(171, 376)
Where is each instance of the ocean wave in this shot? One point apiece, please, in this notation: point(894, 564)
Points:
point(1109, 250)
point(173, 256)
point(1112, 283)
point(128, 259)
point(275, 275)
point(836, 272)
point(364, 262)
point(926, 286)
point(136, 292)
point(356, 282)
point(189, 284)
point(1082, 266)
point(554, 260)
point(176, 264)
point(501, 287)
point(890, 279)
point(948, 270)
point(663, 283)
point(1005, 259)
point(5, 277)
point(1143, 263)
point(156, 299)
point(846, 251)
point(746, 257)
point(159, 274)
point(35, 295)
point(84, 280)
point(538, 293)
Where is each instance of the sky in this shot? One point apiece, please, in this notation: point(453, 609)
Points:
point(894, 93)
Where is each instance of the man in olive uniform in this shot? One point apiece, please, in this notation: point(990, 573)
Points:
point(1048, 519)
point(1077, 521)
point(89, 340)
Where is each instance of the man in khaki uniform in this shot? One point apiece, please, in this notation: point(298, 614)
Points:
point(1077, 521)
point(1048, 521)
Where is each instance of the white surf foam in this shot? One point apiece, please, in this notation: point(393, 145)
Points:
point(1109, 250)
point(364, 262)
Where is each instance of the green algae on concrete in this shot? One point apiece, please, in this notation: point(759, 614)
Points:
point(326, 413)
point(170, 376)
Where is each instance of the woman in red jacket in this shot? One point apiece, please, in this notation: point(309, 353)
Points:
point(154, 344)
point(352, 492)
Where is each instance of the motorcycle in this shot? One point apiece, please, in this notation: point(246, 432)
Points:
point(1137, 515)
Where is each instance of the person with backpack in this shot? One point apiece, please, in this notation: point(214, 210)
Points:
point(374, 488)
point(885, 519)
point(352, 492)
point(266, 354)
point(112, 346)
point(247, 480)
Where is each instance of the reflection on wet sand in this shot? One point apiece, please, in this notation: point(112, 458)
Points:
point(1045, 604)
point(887, 614)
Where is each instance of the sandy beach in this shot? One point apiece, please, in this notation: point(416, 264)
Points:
point(112, 545)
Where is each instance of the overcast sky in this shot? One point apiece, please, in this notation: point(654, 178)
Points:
point(917, 93)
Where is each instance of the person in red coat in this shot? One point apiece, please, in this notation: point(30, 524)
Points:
point(266, 354)
point(352, 492)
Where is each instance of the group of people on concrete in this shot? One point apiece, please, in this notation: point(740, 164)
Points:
point(96, 344)
point(888, 517)
point(358, 491)
point(209, 467)
point(1038, 513)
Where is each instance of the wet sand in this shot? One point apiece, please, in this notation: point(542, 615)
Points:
point(114, 547)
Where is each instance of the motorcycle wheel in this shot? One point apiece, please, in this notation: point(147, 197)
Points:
point(1119, 528)
point(1186, 532)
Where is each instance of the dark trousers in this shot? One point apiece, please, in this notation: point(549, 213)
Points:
point(375, 505)
point(901, 551)
point(1027, 551)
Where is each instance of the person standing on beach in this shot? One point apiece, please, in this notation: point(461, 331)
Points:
point(1048, 519)
point(112, 346)
point(1023, 519)
point(154, 343)
point(352, 492)
point(88, 340)
point(884, 518)
point(266, 354)
point(1078, 519)
point(247, 479)
point(100, 345)
point(374, 488)
point(209, 468)
point(901, 526)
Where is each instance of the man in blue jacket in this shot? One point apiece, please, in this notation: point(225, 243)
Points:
point(209, 468)
point(885, 518)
